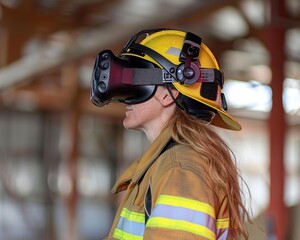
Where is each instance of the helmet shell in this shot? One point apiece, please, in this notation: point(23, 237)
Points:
point(168, 43)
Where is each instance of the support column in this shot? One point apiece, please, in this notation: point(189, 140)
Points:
point(277, 124)
point(72, 198)
point(72, 117)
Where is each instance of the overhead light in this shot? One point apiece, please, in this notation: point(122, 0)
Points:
point(248, 95)
point(137, 8)
point(255, 11)
point(291, 96)
point(180, 3)
point(292, 42)
point(229, 24)
point(293, 7)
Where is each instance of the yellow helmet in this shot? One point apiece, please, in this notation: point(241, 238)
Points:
point(169, 44)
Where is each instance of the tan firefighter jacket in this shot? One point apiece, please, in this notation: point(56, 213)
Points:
point(183, 203)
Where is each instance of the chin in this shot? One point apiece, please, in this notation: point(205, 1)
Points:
point(127, 124)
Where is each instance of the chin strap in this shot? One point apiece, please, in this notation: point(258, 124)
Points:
point(193, 107)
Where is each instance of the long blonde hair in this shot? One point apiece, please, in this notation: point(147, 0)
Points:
point(223, 172)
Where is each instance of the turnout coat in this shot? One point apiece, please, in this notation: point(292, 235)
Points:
point(183, 203)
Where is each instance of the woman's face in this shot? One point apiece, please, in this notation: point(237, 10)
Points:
point(151, 115)
point(138, 116)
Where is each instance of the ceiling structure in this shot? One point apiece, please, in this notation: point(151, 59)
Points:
point(48, 46)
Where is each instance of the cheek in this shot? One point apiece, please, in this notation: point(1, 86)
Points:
point(139, 116)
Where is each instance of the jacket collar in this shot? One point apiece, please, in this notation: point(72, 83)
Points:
point(137, 169)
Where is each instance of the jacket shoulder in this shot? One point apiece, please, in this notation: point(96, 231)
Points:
point(183, 157)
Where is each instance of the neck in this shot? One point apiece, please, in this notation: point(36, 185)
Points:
point(153, 132)
point(153, 129)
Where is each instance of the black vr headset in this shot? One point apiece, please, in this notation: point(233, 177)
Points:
point(132, 80)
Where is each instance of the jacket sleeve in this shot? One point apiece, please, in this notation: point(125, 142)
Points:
point(184, 205)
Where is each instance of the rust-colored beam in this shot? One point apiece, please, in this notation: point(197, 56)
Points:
point(277, 124)
point(3, 49)
point(12, 43)
point(77, 51)
point(52, 92)
point(28, 16)
point(71, 124)
point(70, 75)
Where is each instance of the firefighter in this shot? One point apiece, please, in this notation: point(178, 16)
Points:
point(186, 184)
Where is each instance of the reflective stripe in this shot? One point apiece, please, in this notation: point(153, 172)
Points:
point(223, 223)
point(222, 234)
point(222, 228)
point(131, 225)
point(174, 213)
point(133, 216)
point(118, 234)
point(186, 203)
point(178, 213)
point(181, 225)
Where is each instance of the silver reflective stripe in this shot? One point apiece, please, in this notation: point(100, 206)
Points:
point(222, 234)
point(185, 214)
point(131, 227)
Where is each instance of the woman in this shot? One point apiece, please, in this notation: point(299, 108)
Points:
point(186, 185)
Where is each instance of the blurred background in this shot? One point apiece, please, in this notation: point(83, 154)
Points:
point(60, 155)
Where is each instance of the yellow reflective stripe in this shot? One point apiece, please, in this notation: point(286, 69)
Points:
point(119, 234)
point(186, 203)
point(223, 223)
point(133, 216)
point(181, 226)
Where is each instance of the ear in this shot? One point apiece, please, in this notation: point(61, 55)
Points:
point(168, 96)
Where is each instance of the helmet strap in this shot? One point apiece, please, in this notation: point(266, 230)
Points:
point(164, 62)
point(197, 109)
